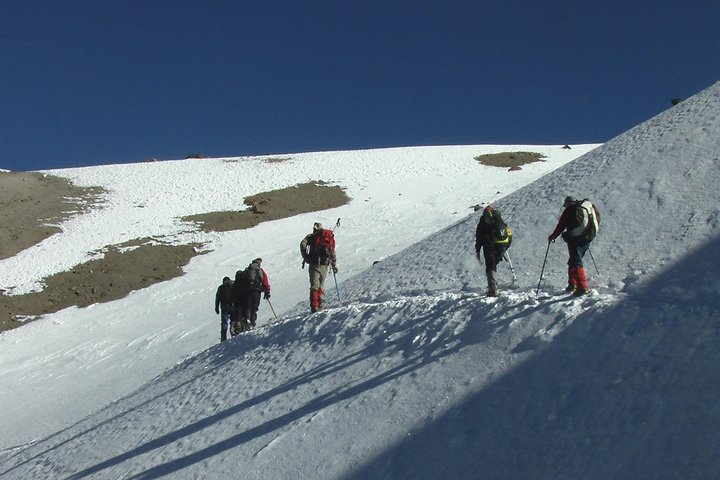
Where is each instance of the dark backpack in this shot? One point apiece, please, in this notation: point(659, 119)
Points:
point(248, 279)
point(322, 245)
point(499, 231)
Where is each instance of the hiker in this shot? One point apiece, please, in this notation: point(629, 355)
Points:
point(493, 237)
point(224, 305)
point(249, 284)
point(318, 251)
point(578, 225)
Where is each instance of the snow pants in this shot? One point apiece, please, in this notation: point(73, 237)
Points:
point(317, 273)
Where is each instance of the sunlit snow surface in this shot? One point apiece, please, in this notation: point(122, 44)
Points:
point(412, 373)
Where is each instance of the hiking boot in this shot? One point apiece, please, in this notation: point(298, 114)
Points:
point(234, 329)
point(581, 291)
point(492, 293)
point(570, 289)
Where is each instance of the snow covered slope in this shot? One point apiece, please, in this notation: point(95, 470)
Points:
point(414, 374)
point(69, 364)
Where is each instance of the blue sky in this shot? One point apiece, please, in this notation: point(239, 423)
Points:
point(97, 82)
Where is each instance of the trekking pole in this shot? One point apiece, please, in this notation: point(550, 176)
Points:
point(507, 259)
point(593, 260)
point(542, 270)
point(337, 288)
point(271, 307)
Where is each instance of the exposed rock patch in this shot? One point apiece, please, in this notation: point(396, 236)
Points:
point(31, 199)
point(510, 160)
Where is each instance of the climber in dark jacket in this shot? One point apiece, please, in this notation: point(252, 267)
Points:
point(489, 238)
point(224, 306)
point(249, 285)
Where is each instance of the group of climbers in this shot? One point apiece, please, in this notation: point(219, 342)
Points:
point(577, 226)
point(237, 302)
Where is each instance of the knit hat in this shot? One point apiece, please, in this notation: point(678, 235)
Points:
point(569, 200)
point(258, 260)
point(488, 212)
point(317, 226)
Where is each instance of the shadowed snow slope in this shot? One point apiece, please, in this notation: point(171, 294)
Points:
point(415, 374)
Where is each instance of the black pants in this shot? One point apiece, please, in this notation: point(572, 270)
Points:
point(493, 255)
point(249, 306)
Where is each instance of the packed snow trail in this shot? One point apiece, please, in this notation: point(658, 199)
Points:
point(327, 364)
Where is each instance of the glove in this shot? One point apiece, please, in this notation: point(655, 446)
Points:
point(551, 239)
point(335, 269)
point(217, 311)
point(477, 255)
point(267, 295)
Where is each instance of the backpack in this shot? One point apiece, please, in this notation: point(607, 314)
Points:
point(585, 221)
point(322, 245)
point(248, 279)
point(500, 233)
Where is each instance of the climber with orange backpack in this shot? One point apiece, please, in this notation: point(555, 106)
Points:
point(318, 252)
